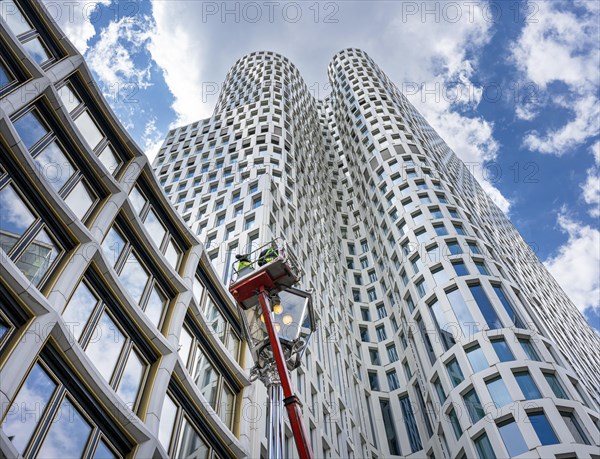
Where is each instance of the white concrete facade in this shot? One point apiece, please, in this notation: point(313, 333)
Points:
point(440, 332)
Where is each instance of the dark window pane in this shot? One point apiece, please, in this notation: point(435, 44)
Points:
point(460, 268)
point(542, 428)
point(529, 349)
point(486, 308)
point(555, 385)
point(5, 77)
point(502, 350)
point(510, 310)
point(575, 427)
point(455, 373)
point(484, 448)
point(473, 406)
point(528, 387)
point(411, 424)
point(390, 430)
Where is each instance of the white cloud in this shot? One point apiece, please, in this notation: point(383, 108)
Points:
point(76, 19)
point(112, 56)
point(576, 265)
point(583, 126)
point(176, 45)
point(591, 187)
point(560, 46)
point(152, 139)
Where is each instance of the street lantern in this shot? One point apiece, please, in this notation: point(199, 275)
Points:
point(293, 320)
point(278, 322)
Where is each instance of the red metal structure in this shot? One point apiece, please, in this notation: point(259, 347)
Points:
point(256, 288)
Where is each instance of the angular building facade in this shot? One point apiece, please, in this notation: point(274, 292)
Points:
point(440, 332)
point(116, 337)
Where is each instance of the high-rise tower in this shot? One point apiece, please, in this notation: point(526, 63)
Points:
point(441, 334)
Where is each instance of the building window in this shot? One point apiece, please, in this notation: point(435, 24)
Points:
point(218, 390)
point(460, 268)
point(439, 389)
point(482, 268)
point(426, 340)
point(54, 164)
point(473, 248)
point(45, 396)
point(155, 227)
point(454, 248)
point(392, 379)
point(409, 302)
point(24, 236)
point(421, 287)
point(556, 386)
point(486, 308)
point(381, 334)
point(249, 223)
point(527, 385)
point(108, 345)
point(411, 424)
point(462, 313)
point(455, 423)
point(392, 353)
point(371, 294)
point(508, 307)
point(381, 311)
point(22, 28)
point(529, 349)
point(364, 334)
point(502, 350)
point(440, 229)
point(498, 392)
point(477, 359)
point(188, 441)
point(575, 427)
point(542, 428)
point(512, 438)
point(484, 447)
point(373, 380)
point(444, 329)
point(454, 372)
point(473, 405)
point(390, 430)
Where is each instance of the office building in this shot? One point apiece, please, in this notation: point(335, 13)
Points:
point(440, 332)
point(116, 337)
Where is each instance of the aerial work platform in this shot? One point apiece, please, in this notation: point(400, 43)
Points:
point(275, 272)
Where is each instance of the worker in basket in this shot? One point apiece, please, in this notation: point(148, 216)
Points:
point(268, 255)
point(244, 265)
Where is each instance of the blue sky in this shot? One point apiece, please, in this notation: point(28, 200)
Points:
point(511, 86)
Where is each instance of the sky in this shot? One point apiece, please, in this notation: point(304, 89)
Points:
point(512, 87)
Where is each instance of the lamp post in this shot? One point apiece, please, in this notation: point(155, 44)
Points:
point(278, 322)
